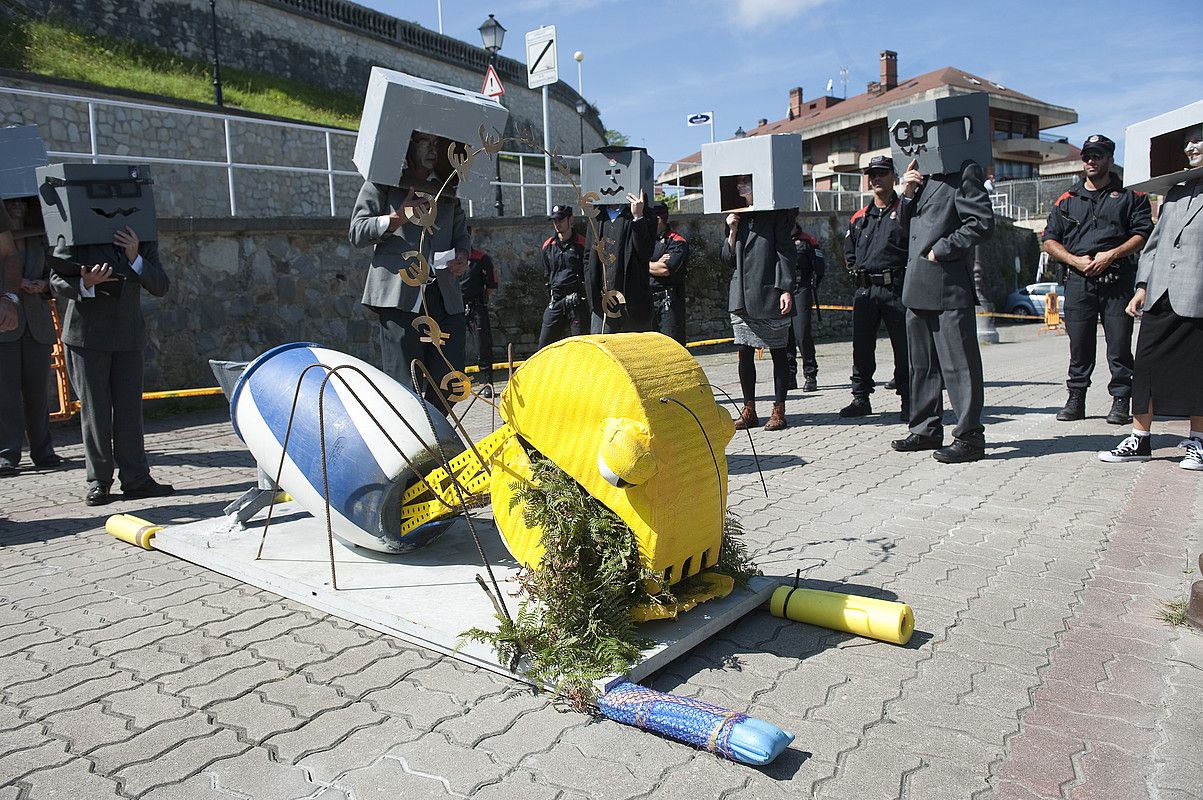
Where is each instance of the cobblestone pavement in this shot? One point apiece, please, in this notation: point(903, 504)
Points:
point(1039, 668)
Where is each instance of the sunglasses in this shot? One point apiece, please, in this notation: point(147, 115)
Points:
point(1093, 155)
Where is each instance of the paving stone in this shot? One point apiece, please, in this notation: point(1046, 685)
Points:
point(490, 717)
point(146, 705)
point(421, 708)
point(305, 698)
point(347, 662)
point(519, 784)
point(250, 714)
point(40, 755)
point(379, 674)
point(389, 779)
point(361, 749)
point(74, 779)
point(254, 774)
point(323, 732)
point(179, 762)
point(151, 743)
point(89, 727)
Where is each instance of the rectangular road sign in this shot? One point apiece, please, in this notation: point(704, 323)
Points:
point(542, 67)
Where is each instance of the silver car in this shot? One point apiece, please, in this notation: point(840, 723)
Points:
point(1030, 299)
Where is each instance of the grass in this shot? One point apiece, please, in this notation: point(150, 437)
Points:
point(57, 49)
point(1173, 612)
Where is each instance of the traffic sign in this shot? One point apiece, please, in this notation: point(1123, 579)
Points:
point(701, 118)
point(492, 87)
point(542, 68)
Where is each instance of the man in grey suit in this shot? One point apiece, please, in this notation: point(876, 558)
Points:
point(380, 220)
point(105, 334)
point(945, 217)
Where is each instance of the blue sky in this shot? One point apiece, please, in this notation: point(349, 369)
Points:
point(650, 64)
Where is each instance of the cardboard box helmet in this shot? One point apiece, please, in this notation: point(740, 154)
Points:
point(89, 203)
point(757, 173)
point(614, 172)
point(21, 153)
point(402, 113)
point(941, 134)
point(1154, 158)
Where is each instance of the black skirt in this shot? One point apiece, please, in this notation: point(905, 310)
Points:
point(1168, 370)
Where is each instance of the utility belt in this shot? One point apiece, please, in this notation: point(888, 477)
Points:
point(1113, 274)
point(892, 277)
point(569, 297)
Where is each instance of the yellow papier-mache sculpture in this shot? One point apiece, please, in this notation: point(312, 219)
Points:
point(631, 417)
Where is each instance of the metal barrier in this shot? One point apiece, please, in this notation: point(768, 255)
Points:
point(522, 184)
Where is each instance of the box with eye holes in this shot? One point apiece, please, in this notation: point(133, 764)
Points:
point(88, 203)
point(941, 134)
point(21, 153)
point(759, 173)
point(1154, 159)
point(397, 107)
point(614, 172)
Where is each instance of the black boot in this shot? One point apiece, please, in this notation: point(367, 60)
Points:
point(1120, 411)
point(1075, 406)
point(859, 407)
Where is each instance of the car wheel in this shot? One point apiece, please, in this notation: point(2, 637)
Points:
point(1022, 310)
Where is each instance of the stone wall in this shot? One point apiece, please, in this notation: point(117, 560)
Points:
point(241, 286)
point(332, 43)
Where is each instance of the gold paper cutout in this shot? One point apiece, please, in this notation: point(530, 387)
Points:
point(491, 144)
point(588, 199)
point(416, 273)
point(461, 163)
point(430, 330)
point(612, 302)
point(462, 383)
point(424, 212)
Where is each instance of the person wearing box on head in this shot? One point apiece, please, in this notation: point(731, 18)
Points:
point(25, 351)
point(1167, 378)
point(104, 334)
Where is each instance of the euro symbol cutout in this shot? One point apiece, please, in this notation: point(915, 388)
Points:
point(456, 386)
point(423, 212)
point(416, 272)
point(588, 199)
point(430, 330)
point(491, 144)
point(612, 303)
point(460, 163)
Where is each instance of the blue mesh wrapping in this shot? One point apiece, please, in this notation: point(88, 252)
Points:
point(731, 735)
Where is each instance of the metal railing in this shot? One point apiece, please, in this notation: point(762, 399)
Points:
point(522, 184)
point(229, 164)
point(1002, 206)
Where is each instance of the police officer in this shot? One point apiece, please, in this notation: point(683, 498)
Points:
point(563, 268)
point(666, 276)
point(478, 284)
point(1095, 230)
point(876, 252)
point(809, 273)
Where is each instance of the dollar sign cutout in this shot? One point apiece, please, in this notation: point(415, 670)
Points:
point(430, 330)
point(462, 386)
point(422, 213)
point(491, 144)
point(612, 302)
point(417, 272)
point(460, 163)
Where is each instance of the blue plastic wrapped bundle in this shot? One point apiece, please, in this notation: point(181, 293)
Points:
point(727, 733)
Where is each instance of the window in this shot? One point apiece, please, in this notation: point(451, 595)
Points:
point(846, 181)
point(845, 142)
point(1012, 170)
point(879, 136)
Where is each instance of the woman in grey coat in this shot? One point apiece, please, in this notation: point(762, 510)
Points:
point(759, 248)
point(1166, 378)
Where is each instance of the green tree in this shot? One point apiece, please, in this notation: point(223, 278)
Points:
point(617, 138)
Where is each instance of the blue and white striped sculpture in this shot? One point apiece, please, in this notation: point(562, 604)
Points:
point(367, 473)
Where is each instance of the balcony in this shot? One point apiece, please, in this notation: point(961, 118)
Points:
point(843, 160)
point(1043, 148)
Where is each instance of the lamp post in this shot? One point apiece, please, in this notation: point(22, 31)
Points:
point(216, 59)
point(491, 37)
point(580, 81)
point(581, 108)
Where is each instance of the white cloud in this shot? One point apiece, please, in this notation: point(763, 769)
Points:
point(750, 14)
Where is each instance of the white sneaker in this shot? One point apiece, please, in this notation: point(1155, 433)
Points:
point(1132, 448)
point(1194, 454)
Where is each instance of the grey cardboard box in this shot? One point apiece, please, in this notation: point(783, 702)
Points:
point(941, 134)
point(613, 172)
point(772, 164)
point(1153, 157)
point(397, 104)
point(88, 203)
point(21, 152)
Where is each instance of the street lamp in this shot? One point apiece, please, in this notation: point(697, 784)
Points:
point(580, 82)
point(216, 60)
point(581, 108)
point(491, 37)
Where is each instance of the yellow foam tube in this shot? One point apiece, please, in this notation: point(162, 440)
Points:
point(133, 530)
point(864, 616)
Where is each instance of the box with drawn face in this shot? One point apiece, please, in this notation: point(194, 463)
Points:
point(1155, 157)
point(758, 173)
point(88, 203)
point(941, 134)
point(614, 172)
point(402, 114)
point(21, 153)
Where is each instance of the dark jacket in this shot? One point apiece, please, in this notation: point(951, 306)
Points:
point(763, 263)
point(33, 312)
point(480, 275)
point(563, 266)
point(677, 248)
point(112, 320)
point(875, 241)
point(1086, 223)
point(949, 216)
point(629, 244)
point(812, 264)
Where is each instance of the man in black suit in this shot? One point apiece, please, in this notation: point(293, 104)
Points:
point(104, 335)
point(628, 237)
point(945, 217)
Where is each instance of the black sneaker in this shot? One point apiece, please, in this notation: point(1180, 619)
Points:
point(811, 384)
point(959, 452)
point(1120, 411)
point(1131, 448)
point(1075, 407)
point(914, 443)
point(859, 407)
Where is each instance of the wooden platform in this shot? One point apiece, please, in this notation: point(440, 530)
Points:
point(428, 597)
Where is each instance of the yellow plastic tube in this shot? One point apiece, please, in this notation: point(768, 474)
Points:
point(864, 616)
point(133, 530)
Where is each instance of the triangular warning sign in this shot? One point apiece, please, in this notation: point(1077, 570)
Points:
point(492, 87)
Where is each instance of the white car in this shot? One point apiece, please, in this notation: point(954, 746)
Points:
point(1030, 299)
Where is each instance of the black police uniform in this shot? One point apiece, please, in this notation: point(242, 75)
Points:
point(668, 292)
point(812, 266)
point(1086, 223)
point(567, 312)
point(480, 276)
point(876, 250)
